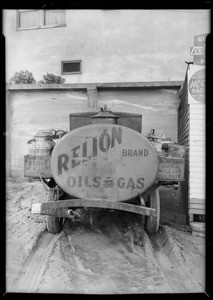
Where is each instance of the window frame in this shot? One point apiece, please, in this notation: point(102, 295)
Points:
point(41, 20)
point(71, 61)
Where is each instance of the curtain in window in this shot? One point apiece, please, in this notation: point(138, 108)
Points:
point(54, 17)
point(28, 19)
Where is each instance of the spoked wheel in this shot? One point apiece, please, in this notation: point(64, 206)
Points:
point(152, 223)
point(54, 224)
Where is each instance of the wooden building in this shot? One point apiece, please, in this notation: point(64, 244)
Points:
point(191, 133)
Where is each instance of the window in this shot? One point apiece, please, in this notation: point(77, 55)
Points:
point(71, 67)
point(32, 19)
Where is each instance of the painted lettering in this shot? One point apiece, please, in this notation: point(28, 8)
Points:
point(104, 141)
point(96, 182)
point(63, 160)
point(116, 135)
point(75, 155)
point(80, 181)
point(140, 183)
point(87, 182)
point(124, 152)
point(135, 152)
point(120, 182)
point(94, 149)
point(130, 184)
point(71, 181)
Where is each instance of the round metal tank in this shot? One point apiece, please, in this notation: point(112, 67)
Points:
point(104, 161)
point(42, 143)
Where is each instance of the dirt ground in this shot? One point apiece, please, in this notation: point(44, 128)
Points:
point(103, 252)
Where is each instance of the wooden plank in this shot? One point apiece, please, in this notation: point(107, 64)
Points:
point(197, 194)
point(200, 184)
point(197, 148)
point(197, 211)
point(197, 161)
point(197, 135)
point(197, 180)
point(197, 167)
point(195, 175)
point(193, 121)
point(197, 143)
point(197, 190)
point(197, 201)
point(199, 108)
point(197, 156)
point(197, 117)
point(196, 126)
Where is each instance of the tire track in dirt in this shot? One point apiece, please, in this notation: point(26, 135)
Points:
point(35, 264)
point(101, 260)
point(171, 263)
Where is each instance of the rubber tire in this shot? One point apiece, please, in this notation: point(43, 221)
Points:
point(53, 224)
point(152, 223)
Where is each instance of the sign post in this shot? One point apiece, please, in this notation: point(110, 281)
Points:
point(198, 51)
point(196, 72)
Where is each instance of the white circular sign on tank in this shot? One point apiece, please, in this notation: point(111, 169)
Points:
point(104, 161)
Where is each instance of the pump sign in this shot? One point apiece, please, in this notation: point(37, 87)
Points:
point(196, 85)
point(104, 161)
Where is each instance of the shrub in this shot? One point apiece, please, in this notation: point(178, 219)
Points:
point(51, 78)
point(22, 77)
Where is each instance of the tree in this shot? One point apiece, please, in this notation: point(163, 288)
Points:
point(22, 77)
point(51, 78)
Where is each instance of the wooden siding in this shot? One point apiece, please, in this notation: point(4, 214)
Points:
point(183, 139)
point(197, 159)
point(191, 132)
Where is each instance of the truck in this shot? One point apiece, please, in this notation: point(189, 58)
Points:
point(103, 161)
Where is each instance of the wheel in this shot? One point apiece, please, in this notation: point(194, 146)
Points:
point(152, 223)
point(54, 224)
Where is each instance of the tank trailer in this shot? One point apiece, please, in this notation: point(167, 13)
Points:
point(104, 161)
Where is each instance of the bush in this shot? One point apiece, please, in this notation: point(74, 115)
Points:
point(22, 77)
point(51, 78)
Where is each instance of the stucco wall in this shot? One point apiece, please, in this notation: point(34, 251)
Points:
point(114, 45)
point(158, 107)
point(32, 109)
